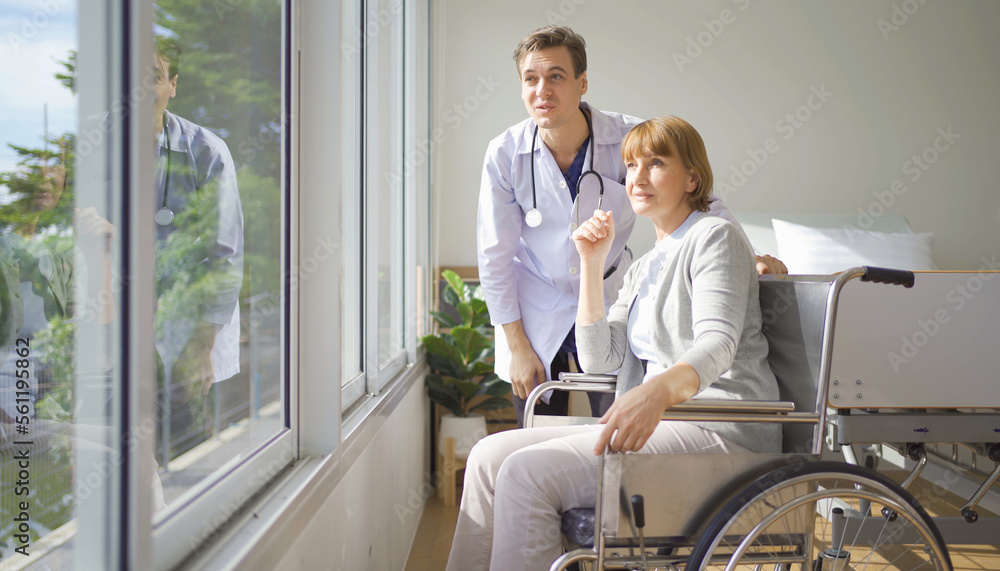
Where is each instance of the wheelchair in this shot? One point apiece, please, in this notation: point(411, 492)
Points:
point(800, 509)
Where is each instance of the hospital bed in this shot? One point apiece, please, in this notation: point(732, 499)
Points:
point(869, 362)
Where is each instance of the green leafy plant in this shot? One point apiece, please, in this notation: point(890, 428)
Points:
point(461, 356)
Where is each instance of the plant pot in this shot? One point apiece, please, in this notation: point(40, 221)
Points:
point(465, 430)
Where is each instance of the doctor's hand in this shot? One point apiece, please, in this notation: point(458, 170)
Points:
point(93, 232)
point(526, 369)
point(194, 366)
point(768, 264)
point(594, 237)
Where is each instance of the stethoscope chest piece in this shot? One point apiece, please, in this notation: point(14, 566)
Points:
point(533, 218)
point(164, 216)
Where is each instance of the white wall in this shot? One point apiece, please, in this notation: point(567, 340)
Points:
point(369, 521)
point(893, 86)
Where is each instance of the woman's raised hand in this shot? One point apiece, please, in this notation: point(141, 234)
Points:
point(593, 238)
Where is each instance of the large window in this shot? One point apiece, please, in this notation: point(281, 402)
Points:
point(384, 188)
point(57, 286)
point(351, 201)
point(374, 199)
point(219, 256)
point(154, 254)
point(143, 252)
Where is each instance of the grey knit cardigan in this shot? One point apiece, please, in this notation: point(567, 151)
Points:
point(709, 317)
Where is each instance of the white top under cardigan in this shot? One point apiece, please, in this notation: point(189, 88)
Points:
point(640, 317)
point(706, 312)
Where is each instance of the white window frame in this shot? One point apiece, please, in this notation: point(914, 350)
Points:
point(380, 373)
point(353, 262)
point(117, 528)
point(186, 528)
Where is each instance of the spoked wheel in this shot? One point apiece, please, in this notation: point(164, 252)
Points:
point(821, 516)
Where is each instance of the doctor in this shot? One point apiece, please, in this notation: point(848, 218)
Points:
point(199, 241)
point(564, 159)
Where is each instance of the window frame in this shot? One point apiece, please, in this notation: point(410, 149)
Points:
point(120, 531)
point(352, 109)
point(380, 373)
point(186, 528)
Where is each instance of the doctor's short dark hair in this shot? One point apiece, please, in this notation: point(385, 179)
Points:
point(671, 136)
point(169, 49)
point(553, 37)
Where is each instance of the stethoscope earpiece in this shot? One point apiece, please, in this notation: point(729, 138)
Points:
point(533, 217)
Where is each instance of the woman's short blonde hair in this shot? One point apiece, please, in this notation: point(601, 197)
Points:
point(554, 37)
point(671, 136)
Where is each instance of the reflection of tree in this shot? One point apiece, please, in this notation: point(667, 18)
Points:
point(262, 242)
point(229, 80)
point(39, 209)
point(195, 280)
point(40, 172)
point(230, 74)
point(68, 78)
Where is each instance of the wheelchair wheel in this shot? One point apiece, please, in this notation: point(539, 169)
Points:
point(820, 516)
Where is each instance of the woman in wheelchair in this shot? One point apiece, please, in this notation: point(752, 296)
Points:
point(686, 325)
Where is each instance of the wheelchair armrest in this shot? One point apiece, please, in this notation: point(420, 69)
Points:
point(724, 410)
point(726, 405)
point(588, 378)
point(580, 382)
point(721, 410)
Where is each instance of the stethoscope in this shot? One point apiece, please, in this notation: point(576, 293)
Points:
point(164, 215)
point(534, 217)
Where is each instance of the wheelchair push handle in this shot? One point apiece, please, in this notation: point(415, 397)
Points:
point(887, 276)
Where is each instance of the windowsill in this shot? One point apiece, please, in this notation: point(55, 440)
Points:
point(197, 464)
point(259, 537)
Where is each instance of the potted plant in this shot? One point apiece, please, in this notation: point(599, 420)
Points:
point(461, 362)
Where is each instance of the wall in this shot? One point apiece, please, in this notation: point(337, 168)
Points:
point(894, 76)
point(369, 521)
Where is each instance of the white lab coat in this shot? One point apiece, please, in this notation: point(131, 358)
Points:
point(532, 274)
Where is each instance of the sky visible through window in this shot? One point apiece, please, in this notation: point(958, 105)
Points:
point(34, 38)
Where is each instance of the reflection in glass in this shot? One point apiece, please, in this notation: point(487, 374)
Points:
point(217, 121)
point(215, 85)
point(44, 269)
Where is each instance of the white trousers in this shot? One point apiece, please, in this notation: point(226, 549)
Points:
point(517, 483)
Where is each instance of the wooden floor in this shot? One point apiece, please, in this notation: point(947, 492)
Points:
point(433, 540)
point(938, 502)
point(437, 526)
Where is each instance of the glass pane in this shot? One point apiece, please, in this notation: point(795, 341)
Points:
point(350, 269)
point(387, 181)
point(219, 244)
point(56, 290)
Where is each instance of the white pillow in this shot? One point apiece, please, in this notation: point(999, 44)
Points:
point(820, 251)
